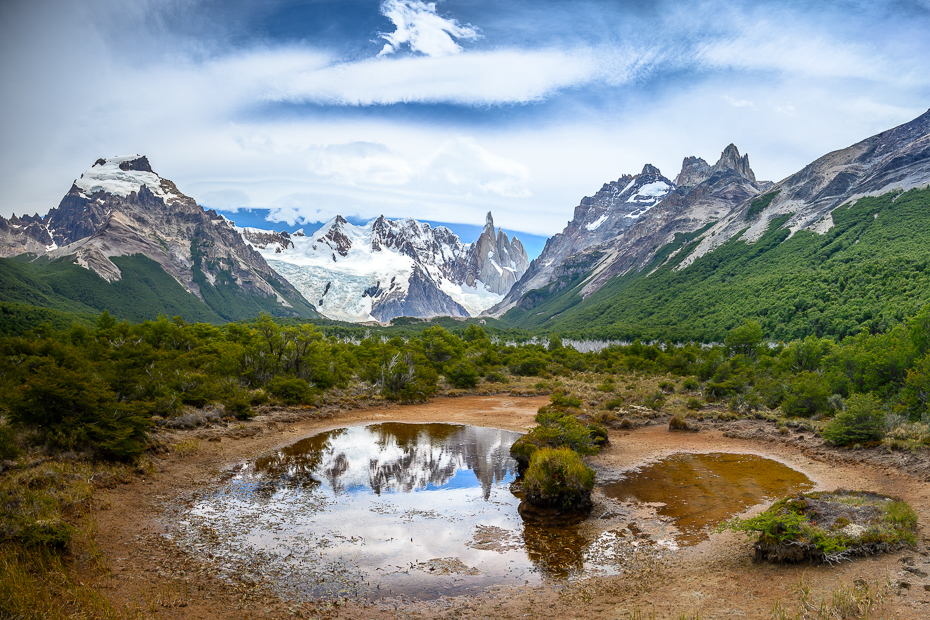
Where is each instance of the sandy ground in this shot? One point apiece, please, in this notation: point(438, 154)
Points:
point(715, 579)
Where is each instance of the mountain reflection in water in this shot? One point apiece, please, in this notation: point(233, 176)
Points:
point(388, 458)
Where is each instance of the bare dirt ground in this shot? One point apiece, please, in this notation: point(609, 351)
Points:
point(715, 579)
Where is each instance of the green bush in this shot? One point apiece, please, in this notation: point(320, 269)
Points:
point(655, 400)
point(862, 421)
point(807, 395)
point(8, 448)
point(694, 404)
point(614, 403)
point(496, 377)
point(690, 384)
point(462, 375)
point(76, 410)
point(557, 478)
point(291, 390)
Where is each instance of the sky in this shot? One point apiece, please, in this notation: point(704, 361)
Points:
point(292, 112)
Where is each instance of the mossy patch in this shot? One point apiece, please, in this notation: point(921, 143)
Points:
point(829, 527)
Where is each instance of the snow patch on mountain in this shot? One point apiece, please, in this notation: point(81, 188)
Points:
point(121, 176)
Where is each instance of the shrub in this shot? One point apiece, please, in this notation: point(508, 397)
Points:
point(667, 386)
point(694, 404)
point(496, 377)
point(614, 403)
point(655, 400)
point(829, 527)
point(679, 423)
point(8, 448)
point(76, 410)
point(462, 375)
point(862, 421)
point(291, 390)
point(807, 395)
point(557, 478)
point(690, 384)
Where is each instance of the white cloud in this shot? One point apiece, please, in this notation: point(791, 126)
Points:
point(738, 103)
point(477, 78)
point(418, 25)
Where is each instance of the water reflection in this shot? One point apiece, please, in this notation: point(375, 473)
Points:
point(388, 458)
point(698, 491)
point(427, 510)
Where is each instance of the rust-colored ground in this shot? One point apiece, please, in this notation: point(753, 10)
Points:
point(715, 579)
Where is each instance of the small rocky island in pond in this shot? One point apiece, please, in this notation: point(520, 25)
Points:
point(830, 527)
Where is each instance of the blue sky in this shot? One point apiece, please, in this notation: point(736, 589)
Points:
point(440, 111)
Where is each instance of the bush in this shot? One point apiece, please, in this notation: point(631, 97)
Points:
point(829, 527)
point(690, 384)
point(496, 377)
point(462, 375)
point(655, 400)
point(667, 386)
point(291, 390)
point(557, 478)
point(694, 404)
point(807, 395)
point(679, 423)
point(614, 403)
point(8, 448)
point(76, 410)
point(862, 421)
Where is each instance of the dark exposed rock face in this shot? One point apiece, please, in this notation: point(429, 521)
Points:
point(23, 234)
point(421, 299)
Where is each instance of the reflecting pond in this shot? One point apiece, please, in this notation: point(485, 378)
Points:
point(429, 510)
point(698, 491)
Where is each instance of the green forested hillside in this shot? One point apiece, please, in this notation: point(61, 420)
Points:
point(867, 272)
point(144, 292)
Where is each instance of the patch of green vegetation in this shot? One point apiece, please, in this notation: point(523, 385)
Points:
point(829, 527)
point(760, 204)
point(558, 426)
point(557, 478)
point(861, 421)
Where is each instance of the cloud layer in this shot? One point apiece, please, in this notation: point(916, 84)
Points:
point(441, 111)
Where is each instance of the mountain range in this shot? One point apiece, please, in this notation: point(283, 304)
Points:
point(840, 246)
point(390, 268)
point(718, 247)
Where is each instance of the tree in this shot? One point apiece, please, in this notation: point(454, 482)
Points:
point(745, 339)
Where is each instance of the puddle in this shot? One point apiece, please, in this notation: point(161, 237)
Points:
point(698, 491)
point(422, 511)
point(388, 510)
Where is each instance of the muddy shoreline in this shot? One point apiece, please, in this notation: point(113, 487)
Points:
point(715, 578)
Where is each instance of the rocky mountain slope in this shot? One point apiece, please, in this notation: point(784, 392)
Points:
point(390, 268)
point(828, 250)
point(621, 226)
point(121, 208)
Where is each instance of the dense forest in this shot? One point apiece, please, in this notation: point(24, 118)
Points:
point(869, 271)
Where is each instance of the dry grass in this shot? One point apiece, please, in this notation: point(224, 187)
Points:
point(856, 601)
point(49, 560)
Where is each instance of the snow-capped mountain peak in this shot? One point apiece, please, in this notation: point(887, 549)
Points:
point(387, 268)
point(121, 176)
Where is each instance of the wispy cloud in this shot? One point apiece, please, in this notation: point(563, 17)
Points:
point(418, 25)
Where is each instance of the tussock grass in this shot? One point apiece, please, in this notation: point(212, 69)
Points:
point(557, 478)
